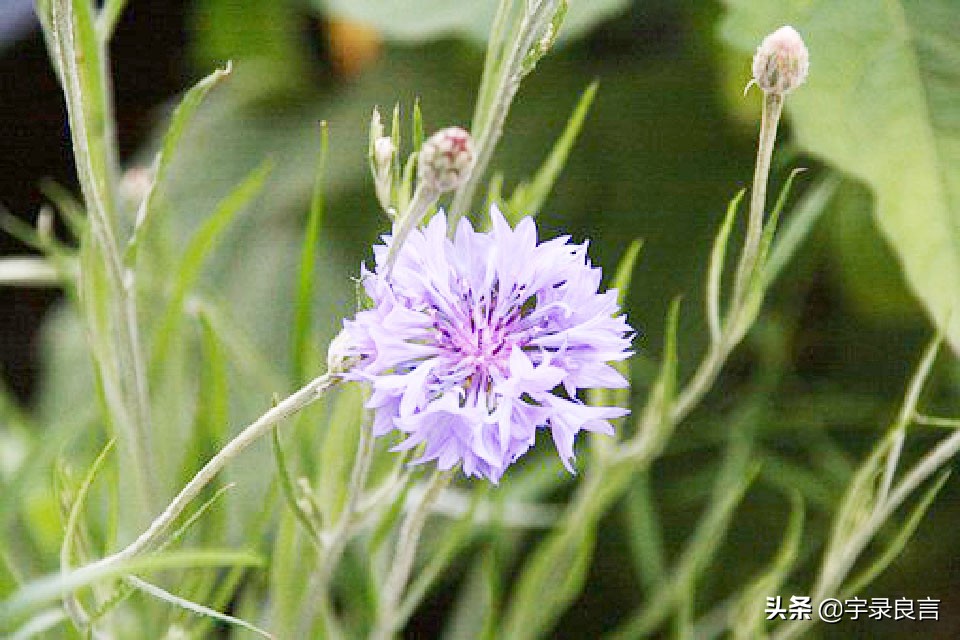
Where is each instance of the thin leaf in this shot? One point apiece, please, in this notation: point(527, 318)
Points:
point(624, 274)
point(71, 209)
point(125, 590)
point(72, 530)
point(303, 316)
point(417, 130)
point(40, 623)
point(655, 421)
point(715, 272)
point(528, 199)
point(748, 620)
point(896, 546)
point(197, 251)
point(213, 395)
point(803, 218)
point(194, 607)
point(646, 534)
point(178, 125)
point(54, 587)
point(290, 493)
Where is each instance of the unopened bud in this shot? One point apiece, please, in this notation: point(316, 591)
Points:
point(383, 151)
point(781, 62)
point(446, 159)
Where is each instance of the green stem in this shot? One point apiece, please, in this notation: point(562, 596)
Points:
point(297, 401)
point(410, 530)
point(770, 118)
point(490, 123)
point(81, 54)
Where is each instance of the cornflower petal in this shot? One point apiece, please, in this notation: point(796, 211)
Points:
point(472, 345)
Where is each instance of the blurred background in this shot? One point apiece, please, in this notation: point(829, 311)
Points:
point(669, 140)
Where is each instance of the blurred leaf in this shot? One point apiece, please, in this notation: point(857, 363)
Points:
point(416, 20)
point(196, 253)
point(747, 622)
point(178, 124)
point(193, 607)
point(900, 540)
point(256, 32)
point(881, 105)
point(339, 450)
point(308, 256)
point(528, 198)
point(51, 588)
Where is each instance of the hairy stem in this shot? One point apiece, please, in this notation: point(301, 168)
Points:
point(300, 399)
point(490, 119)
point(396, 582)
point(769, 120)
point(82, 60)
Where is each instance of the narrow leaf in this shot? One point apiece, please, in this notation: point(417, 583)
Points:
point(178, 125)
point(193, 607)
point(528, 199)
point(715, 273)
point(303, 317)
point(197, 251)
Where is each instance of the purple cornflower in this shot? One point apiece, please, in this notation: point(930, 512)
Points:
point(473, 344)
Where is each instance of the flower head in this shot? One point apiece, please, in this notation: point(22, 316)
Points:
point(473, 344)
point(782, 62)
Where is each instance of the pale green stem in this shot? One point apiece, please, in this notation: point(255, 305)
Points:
point(399, 575)
point(770, 118)
point(336, 542)
point(491, 124)
point(709, 368)
point(423, 198)
point(94, 144)
point(306, 395)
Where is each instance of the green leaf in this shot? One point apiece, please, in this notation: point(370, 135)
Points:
point(715, 271)
point(193, 607)
point(747, 621)
point(182, 116)
point(339, 450)
point(528, 198)
point(308, 267)
point(197, 251)
point(213, 396)
point(416, 20)
point(73, 530)
point(53, 587)
point(288, 490)
point(881, 105)
point(896, 546)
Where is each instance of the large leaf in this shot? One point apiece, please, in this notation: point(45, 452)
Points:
point(881, 105)
point(415, 20)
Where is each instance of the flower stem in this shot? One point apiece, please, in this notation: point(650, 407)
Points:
point(489, 119)
point(769, 119)
point(396, 582)
point(81, 57)
point(300, 399)
point(335, 544)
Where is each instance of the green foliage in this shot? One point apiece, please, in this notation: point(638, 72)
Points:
point(224, 301)
point(413, 20)
point(886, 67)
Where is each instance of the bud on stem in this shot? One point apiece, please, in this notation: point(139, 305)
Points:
point(779, 66)
point(443, 164)
point(781, 63)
